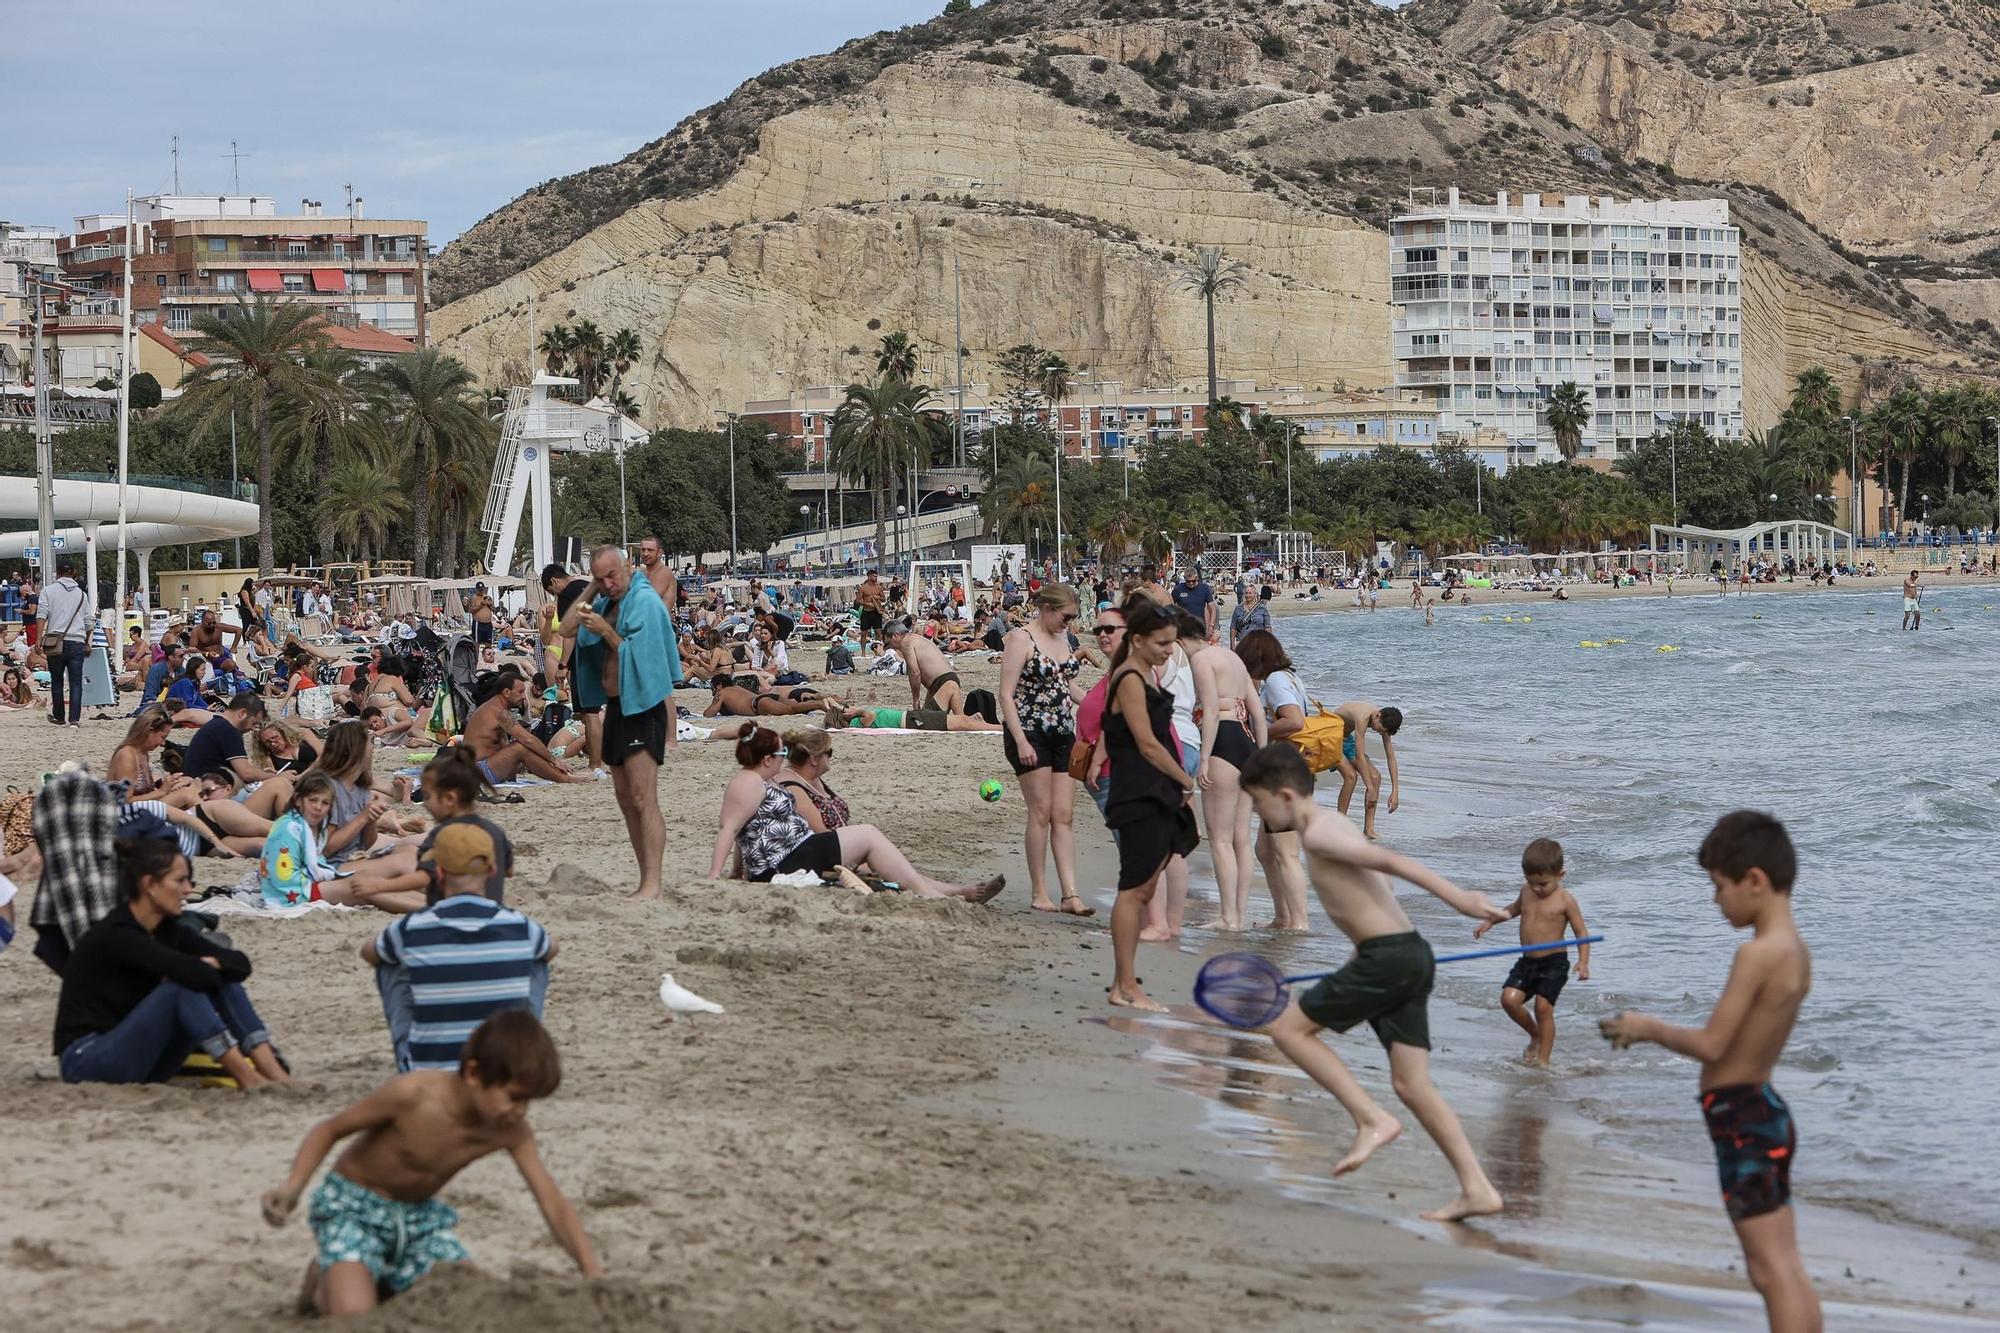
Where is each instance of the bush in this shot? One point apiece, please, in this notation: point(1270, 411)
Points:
point(1099, 65)
point(1272, 45)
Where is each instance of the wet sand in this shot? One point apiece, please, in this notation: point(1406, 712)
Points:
point(913, 1113)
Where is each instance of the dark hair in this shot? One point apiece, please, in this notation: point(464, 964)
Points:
point(141, 859)
point(1148, 619)
point(1277, 767)
point(456, 770)
point(1190, 625)
point(370, 713)
point(513, 1050)
point(554, 570)
point(755, 748)
point(1268, 593)
point(65, 568)
point(1542, 858)
point(250, 702)
point(1746, 840)
point(1262, 654)
point(1392, 719)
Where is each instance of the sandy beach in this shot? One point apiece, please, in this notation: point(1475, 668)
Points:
point(914, 1113)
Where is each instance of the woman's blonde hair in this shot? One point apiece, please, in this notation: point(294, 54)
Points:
point(807, 744)
point(1056, 597)
point(264, 756)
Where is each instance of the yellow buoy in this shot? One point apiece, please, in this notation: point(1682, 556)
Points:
point(1486, 618)
point(1614, 640)
point(1589, 643)
point(1666, 648)
point(1527, 620)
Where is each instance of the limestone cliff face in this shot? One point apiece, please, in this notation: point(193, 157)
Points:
point(1070, 153)
point(746, 290)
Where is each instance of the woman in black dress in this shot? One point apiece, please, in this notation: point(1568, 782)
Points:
point(1151, 794)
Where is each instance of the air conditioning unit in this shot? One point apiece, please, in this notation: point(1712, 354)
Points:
point(201, 273)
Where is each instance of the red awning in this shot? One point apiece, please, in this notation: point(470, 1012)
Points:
point(329, 280)
point(265, 280)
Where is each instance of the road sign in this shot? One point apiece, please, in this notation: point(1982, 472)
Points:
point(58, 541)
point(33, 553)
point(211, 560)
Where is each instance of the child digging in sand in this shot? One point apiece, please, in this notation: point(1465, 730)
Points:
point(1750, 860)
point(1386, 983)
point(1546, 911)
point(376, 1219)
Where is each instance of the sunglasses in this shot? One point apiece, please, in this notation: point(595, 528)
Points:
point(1069, 619)
point(1107, 629)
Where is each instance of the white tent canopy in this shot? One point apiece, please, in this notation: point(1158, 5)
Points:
point(1802, 539)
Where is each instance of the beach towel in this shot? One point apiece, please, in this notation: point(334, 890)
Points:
point(649, 662)
point(291, 862)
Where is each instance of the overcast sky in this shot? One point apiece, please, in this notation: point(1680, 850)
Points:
point(430, 110)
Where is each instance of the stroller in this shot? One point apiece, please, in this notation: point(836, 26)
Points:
point(449, 669)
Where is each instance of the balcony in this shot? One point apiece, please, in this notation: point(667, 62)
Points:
point(306, 259)
point(208, 291)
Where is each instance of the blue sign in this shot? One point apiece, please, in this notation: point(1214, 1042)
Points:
point(211, 560)
point(33, 553)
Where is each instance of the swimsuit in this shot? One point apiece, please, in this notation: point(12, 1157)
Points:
point(1542, 978)
point(1041, 700)
point(1233, 745)
point(1755, 1142)
point(397, 1242)
point(1147, 809)
point(832, 810)
point(776, 840)
point(1387, 983)
point(944, 679)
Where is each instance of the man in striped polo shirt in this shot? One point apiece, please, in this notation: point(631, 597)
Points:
point(443, 970)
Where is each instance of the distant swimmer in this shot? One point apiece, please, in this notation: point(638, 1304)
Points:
point(1547, 911)
point(1913, 607)
point(1361, 718)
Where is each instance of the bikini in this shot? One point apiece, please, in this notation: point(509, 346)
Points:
point(1233, 745)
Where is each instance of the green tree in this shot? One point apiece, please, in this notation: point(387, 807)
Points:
point(257, 356)
point(555, 347)
point(953, 8)
point(1958, 422)
point(1568, 412)
point(144, 392)
point(586, 355)
point(1211, 276)
point(897, 356)
point(1717, 479)
point(1022, 498)
point(1902, 421)
point(361, 503)
point(621, 351)
point(876, 431)
point(310, 428)
point(429, 411)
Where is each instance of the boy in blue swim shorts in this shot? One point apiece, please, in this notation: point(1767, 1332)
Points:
point(1750, 860)
point(1361, 718)
point(376, 1218)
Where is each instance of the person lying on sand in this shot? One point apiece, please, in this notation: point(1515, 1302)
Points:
point(726, 700)
point(904, 719)
point(764, 834)
point(376, 1220)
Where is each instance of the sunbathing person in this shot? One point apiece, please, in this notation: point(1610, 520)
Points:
point(904, 719)
point(784, 701)
point(934, 685)
point(765, 835)
point(503, 744)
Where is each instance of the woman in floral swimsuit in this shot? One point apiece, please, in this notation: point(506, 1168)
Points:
point(1038, 694)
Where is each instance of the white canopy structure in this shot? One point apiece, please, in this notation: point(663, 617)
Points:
point(155, 516)
point(1800, 538)
point(535, 426)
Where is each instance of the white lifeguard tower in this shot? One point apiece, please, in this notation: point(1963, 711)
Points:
point(538, 424)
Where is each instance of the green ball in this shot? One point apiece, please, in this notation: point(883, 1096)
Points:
point(991, 790)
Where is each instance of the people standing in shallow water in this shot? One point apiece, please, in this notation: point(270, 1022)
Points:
point(1546, 910)
point(1038, 694)
point(1386, 984)
point(1913, 606)
point(1283, 699)
point(1751, 863)
point(1232, 728)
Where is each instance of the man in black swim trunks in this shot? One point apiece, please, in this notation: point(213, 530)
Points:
point(934, 686)
point(870, 597)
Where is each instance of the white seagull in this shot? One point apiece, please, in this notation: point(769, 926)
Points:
point(680, 1000)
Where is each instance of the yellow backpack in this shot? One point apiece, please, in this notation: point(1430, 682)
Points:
point(1318, 741)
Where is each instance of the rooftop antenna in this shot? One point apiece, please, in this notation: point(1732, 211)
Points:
point(177, 164)
point(236, 168)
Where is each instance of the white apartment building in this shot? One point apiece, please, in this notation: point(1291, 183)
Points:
point(1636, 301)
point(23, 250)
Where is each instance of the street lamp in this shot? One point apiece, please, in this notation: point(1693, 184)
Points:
point(1056, 412)
point(732, 491)
point(901, 511)
point(1774, 506)
point(1853, 475)
point(1996, 475)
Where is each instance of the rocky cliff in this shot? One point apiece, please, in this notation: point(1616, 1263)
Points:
point(1064, 155)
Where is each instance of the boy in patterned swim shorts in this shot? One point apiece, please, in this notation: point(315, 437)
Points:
point(376, 1219)
point(1750, 860)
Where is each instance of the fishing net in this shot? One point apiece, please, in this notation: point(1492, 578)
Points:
point(1241, 989)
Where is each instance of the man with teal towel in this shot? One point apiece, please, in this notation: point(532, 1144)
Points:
point(627, 663)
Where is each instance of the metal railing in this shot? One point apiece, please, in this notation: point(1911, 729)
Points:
point(308, 258)
point(230, 490)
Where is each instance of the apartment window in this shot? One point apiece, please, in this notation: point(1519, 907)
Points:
point(159, 279)
point(218, 245)
point(392, 284)
point(295, 247)
point(340, 247)
point(295, 282)
point(226, 282)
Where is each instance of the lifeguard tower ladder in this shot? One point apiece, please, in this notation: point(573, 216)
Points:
point(538, 424)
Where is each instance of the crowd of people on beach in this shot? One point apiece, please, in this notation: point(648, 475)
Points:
point(259, 747)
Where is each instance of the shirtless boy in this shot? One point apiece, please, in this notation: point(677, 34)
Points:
point(503, 745)
point(1750, 860)
point(1361, 718)
point(934, 686)
point(376, 1218)
point(1913, 606)
point(1387, 983)
point(1546, 911)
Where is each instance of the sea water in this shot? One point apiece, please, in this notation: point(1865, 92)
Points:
point(1874, 746)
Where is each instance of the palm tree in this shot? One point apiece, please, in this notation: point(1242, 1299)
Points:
point(556, 346)
point(309, 428)
point(587, 356)
point(1958, 422)
point(1054, 383)
point(1349, 533)
point(1902, 423)
point(1225, 414)
point(1113, 531)
point(360, 503)
point(1568, 412)
point(621, 349)
point(1211, 276)
point(1023, 496)
point(875, 430)
point(1815, 397)
point(897, 356)
point(1194, 518)
point(257, 356)
point(429, 410)
point(626, 404)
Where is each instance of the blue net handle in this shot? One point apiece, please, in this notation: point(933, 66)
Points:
point(1479, 953)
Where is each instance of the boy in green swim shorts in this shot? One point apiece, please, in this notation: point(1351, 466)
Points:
point(376, 1218)
point(1386, 984)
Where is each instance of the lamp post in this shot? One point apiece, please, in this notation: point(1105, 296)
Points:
point(1996, 476)
point(1056, 412)
point(1291, 433)
point(1853, 475)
